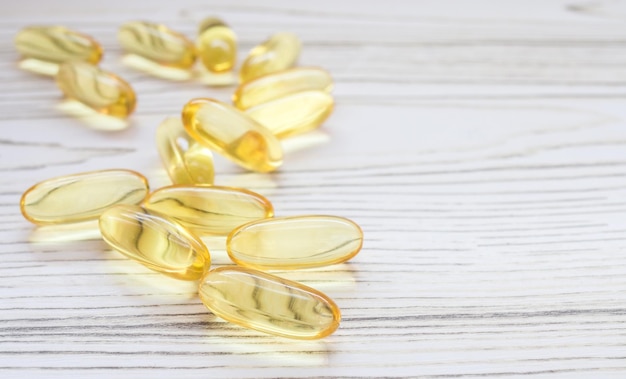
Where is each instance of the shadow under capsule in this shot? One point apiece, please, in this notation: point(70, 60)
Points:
point(333, 277)
point(304, 141)
point(90, 117)
point(155, 69)
point(214, 79)
point(39, 67)
point(79, 231)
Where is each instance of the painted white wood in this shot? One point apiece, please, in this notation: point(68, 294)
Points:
point(481, 146)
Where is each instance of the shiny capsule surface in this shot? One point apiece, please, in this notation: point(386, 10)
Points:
point(279, 52)
point(228, 131)
point(294, 114)
point(216, 45)
point(100, 90)
point(210, 210)
point(287, 243)
point(157, 43)
point(186, 161)
point(81, 197)
point(57, 44)
point(274, 86)
point(268, 303)
point(155, 240)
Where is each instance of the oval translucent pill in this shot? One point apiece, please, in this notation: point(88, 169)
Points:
point(157, 43)
point(81, 197)
point(102, 91)
point(287, 243)
point(57, 44)
point(230, 132)
point(268, 303)
point(217, 45)
point(187, 161)
point(273, 86)
point(210, 210)
point(293, 114)
point(155, 240)
point(278, 53)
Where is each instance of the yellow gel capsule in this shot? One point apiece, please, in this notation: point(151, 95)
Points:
point(273, 86)
point(81, 197)
point(57, 44)
point(102, 91)
point(187, 161)
point(210, 210)
point(217, 45)
point(287, 243)
point(278, 53)
point(230, 132)
point(293, 114)
point(268, 303)
point(156, 241)
point(157, 43)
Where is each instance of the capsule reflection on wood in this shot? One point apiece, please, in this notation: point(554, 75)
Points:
point(101, 91)
point(293, 114)
point(210, 210)
point(279, 84)
point(268, 303)
point(81, 197)
point(155, 240)
point(287, 243)
point(279, 52)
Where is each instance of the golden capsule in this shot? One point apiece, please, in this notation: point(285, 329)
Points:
point(269, 304)
point(279, 84)
point(187, 161)
point(217, 45)
point(288, 243)
point(278, 53)
point(228, 131)
point(81, 197)
point(57, 44)
point(155, 240)
point(293, 114)
point(157, 43)
point(209, 210)
point(102, 91)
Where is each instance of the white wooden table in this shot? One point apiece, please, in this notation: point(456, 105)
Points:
point(481, 146)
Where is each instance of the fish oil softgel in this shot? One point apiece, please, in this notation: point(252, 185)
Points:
point(274, 86)
point(286, 243)
point(216, 45)
point(228, 131)
point(269, 304)
point(209, 210)
point(279, 52)
point(293, 114)
point(186, 161)
point(81, 197)
point(56, 44)
point(155, 241)
point(101, 91)
point(157, 43)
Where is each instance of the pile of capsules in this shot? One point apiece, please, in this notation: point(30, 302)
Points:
point(163, 229)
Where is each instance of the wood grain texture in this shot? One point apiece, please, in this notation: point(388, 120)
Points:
point(481, 146)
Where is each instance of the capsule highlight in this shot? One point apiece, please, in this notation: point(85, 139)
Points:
point(100, 90)
point(156, 241)
point(157, 43)
point(228, 131)
point(293, 114)
point(267, 303)
point(210, 210)
point(279, 52)
point(289, 243)
point(81, 197)
point(280, 84)
point(216, 45)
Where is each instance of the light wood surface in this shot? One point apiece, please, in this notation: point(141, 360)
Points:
point(481, 145)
